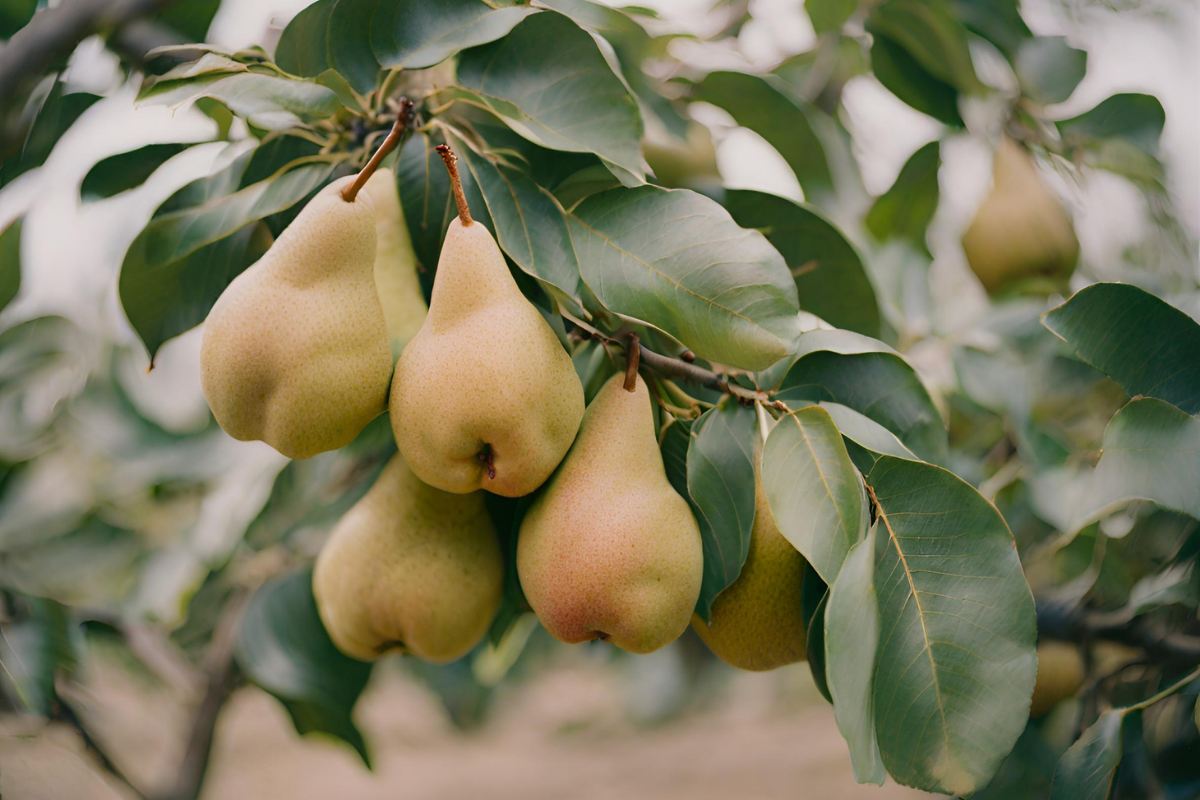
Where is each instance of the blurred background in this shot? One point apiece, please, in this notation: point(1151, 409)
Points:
point(121, 499)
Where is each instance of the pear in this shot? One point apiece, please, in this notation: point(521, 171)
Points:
point(691, 164)
point(1021, 237)
point(484, 395)
point(396, 280)
point(609, 550)
point(295, 351)
point(1060, 673)
point(410, 567)
point(758, 622)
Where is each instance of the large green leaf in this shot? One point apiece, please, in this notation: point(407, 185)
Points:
point(10, 263)
point(549, 82)
point(1136, 118)
point(676, 260)
point(268, 102)
point(348, 39)
point(1086, 770)
point(427, 200)
point(180, 263)
point(303, 47)
point(284, 649)
point(720, 482)
point(904, 77)
point(930, 32)
point(957, 630)
point(57, 113)
point(1146, 345)
point(115, 174)
point(1048, 68)
point(851, 637)
point(815, 493)
point(905, 210)
point(1151, 452)
point(829, 273)
point(415, 34)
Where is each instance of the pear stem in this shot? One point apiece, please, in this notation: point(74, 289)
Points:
point(460, 199)
point(633, 352)
point(389, 144)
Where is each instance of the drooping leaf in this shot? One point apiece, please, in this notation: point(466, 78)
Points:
point(815, 493)
point(284, 649)
point(303, 47)
point(851, 637)
point(1136, 118)
point(904, 77)
point(265, 101)
point(549, 82)
point(10, 263)
point(57, 113)
point(1048, 68)
point(957, 630)
point(115, 174)
point(676, 260)
point(1146, 345)
point(1151, 452)
point(830, 277)
point(720, 482)
point(414, 34)
point(905, 210)
point(1086, 770)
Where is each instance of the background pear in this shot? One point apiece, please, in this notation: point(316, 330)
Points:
point(1060, 674)
point(758, 621)
point(410, 567)
point(295, 351)
point(1021, 236)
point(609, 549)
point(484, 395)
point(396, 279)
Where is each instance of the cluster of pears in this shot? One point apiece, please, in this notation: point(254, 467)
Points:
point(330, 329)
point(1021, 238)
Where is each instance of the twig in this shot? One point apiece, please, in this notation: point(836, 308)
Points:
point(460, 199)
point(389, 144)
point(632, 356)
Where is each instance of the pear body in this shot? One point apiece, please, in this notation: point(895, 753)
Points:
point(691, 164)
point(484, 396)
point(757, 623)
point(410, 567)
point(295, 351)
point(1021, 236)
point(1060, 673)
point(609, 549)
point(396, 281)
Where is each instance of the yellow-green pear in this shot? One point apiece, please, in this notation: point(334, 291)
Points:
point(691, 163)
point(609, 550)
point(1021, 236)
point(396, 280)
point(295, 351)
point(410, 567)
point(484, 395)
point(1060, 673)
point(757, 623)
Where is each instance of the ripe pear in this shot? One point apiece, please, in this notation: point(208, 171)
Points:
point(484, 395)
point(396, 280)
point(691, 164)
point(758, 621)
point(1060, 674)
point(1021, 236)
point(295, 351)
point(609, 550)
point(410, 567)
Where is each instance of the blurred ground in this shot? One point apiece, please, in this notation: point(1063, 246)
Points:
point(563, 734)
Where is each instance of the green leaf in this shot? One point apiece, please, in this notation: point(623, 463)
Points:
point(284, 649)
point(956, 660)
point(814, 645)
point(786, 123)
point(414, 34)
point(829, 15)
point(1136, 118)
point(674, 444)
point(1087, 769)
point(427, 201)
point(265, 101)
point(851, 636)
point(1144, 344)
point(815, 493)
point(929, 31)
point(905, 210)
point(998, 21)
point(57, 113)
point(1048, 68)
point(14, 15)
point(720, 482)
point(10, 262)
point(349, 43)
point(866, 432)
point(115, 174)
point(180, 263)
point(829, 273)
point(36, 650)
point(1151, 452)
point(676, 260)
point(549, 82)
point(904, 77)
point(191, 18)
point(303, 47)
point(878, 384)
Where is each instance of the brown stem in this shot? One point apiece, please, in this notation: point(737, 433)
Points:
point(632, 356)
point(460, 199)
point(389, 144)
